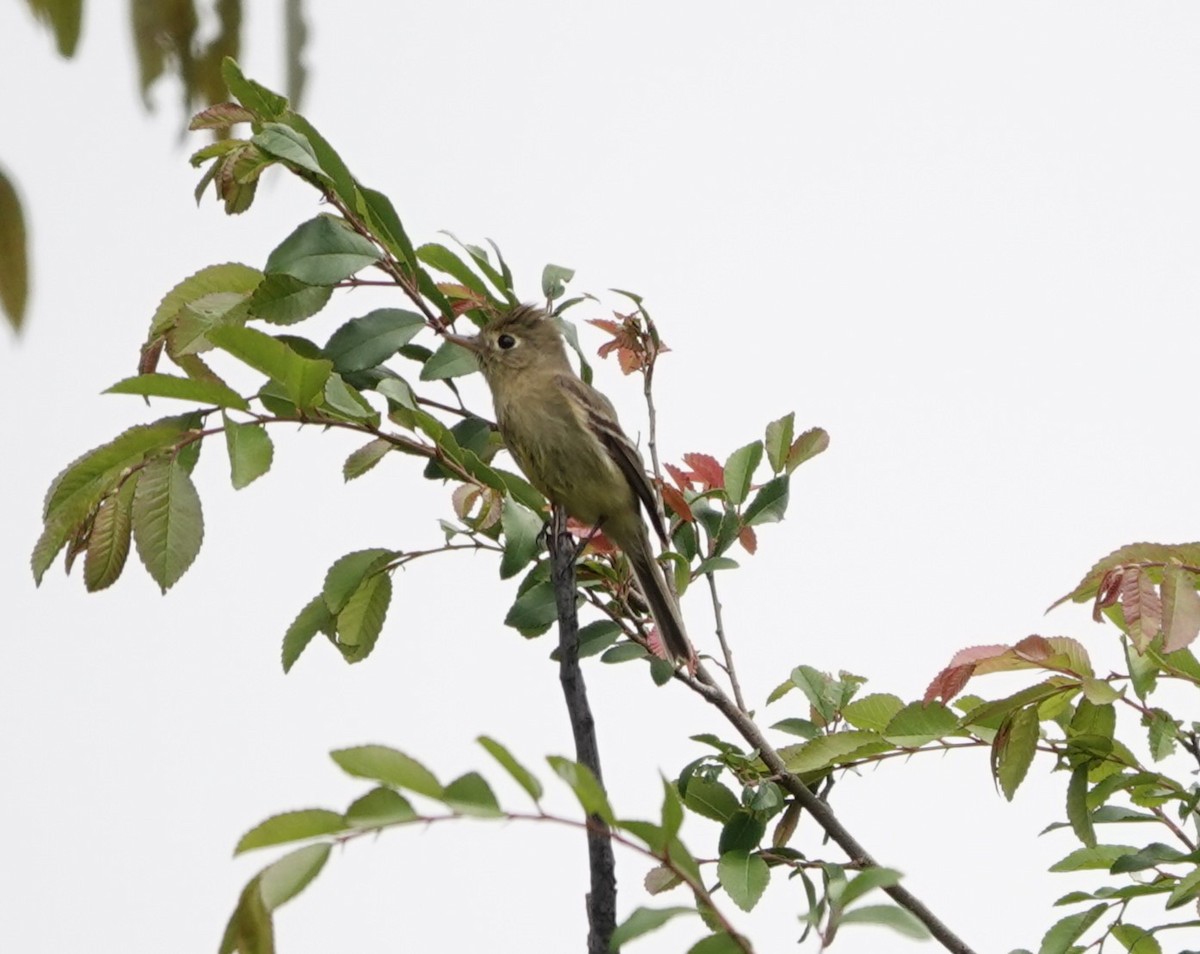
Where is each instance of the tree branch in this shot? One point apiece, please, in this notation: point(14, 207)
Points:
point(602, 898)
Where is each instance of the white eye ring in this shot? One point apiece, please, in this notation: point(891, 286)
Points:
point(506, 342)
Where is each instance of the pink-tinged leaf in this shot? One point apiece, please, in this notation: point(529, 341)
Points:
point(677, 504)
point(748, 539)
point(1141, 606)
point(683, 480)
point(1181, 609)
point(1055, 653)
point(220, 115)
point(949, 683)
point(1187, 554)
point(1034, 649)
point(1107, 593)
point(705, 470)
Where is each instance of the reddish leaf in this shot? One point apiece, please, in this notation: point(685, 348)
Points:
point(1034, 649)
point(1181, 609)
point(706, 471)
point(748, 540)
point(596, 540)
point(677, 504)
point(948, 683)
point(1108, 591)
point(1141, 606)
point(220, 115)
point(603, 323)
point(682, 478)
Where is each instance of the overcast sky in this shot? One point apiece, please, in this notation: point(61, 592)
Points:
point(961, 237)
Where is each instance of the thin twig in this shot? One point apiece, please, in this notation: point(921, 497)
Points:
point(725, 650)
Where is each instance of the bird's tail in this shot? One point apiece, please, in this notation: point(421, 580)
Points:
point(663, 606)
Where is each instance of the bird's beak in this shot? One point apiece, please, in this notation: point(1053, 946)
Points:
point(472, 344)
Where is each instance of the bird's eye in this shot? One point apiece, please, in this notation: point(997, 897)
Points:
point(506, 342)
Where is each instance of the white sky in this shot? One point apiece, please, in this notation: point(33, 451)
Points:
point(961, 237)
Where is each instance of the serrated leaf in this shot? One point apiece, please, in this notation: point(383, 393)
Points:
point(744, 877)
point(314, 618)
point(743, 830)
point(380, 807)
point(108, 543)
point(585, 785)
point(710, 799)
point(1134, 939)
point(1163, 733)
point(322, 251)
point(919, 723)
point(291, 826)
point(1181, 608)
point(816, 688)
point(365, 457)
point(872, 712)
point(251, 452)
point(521, 775)
point(739, 471)
point(168, 524)
point(284, 300)
point(1078, 813)
point(361, 619)
point(291, 874)
point(1094, 858)
point(230, 278)
point(184, 389)
point(1060, 937)
point(1185, 891)
point(643, 921)
point(303, 379)
point(14, 260)
point(449, 361)
point(828, 750)
point(372, 339)
point(347, 573)
point(390, 766)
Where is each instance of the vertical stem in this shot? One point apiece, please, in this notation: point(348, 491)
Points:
point(602, 898)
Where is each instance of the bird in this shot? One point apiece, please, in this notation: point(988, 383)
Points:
point(566, 438)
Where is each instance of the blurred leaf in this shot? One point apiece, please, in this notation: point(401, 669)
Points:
point(372, 339)
point(162, 33)
point(584, 784)
point(291, 874)
point(717, 944)
point(1095, 858)
point(743, 876)
point(108, 543)
point(1135, 940)
point(1185, 891)
point(291, 826)
point(521, 775)
point(643, 921)
point(250, 452)
point(470, 794)
point(14, 262)
point(887, 915)
point(64, 18)
point(379, 807)
point(1060, 938)
point(1181, 608)
point(322, 251)
point(168, 526)
point(284, 300)
point(382, 764)
point(554, 280)
point(867, 880)
point(184, 389)
point(313, 619)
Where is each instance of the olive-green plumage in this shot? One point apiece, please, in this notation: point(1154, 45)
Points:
point(565, 436)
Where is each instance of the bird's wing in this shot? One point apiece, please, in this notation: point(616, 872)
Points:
point(601, 420)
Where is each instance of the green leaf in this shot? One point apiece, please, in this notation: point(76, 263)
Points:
point(521, 775)
point(380, 807)
point(778, 441)
point(168, 525)
point(1060, 938)
point(521, 527)
point(65, 18)
point(742, 831)
point(717, 944)
point(806, 446)
point(710, 799)
point(1014, 748)
point(1095, 858)
point(769, 504)
point(739, 471)
point(449, 361)
point(390, 766)
point(868, 880)
point(918, 723)
point(385, 225)
point(828, 750)
point(1185, 891)
point(470, 794)
point(1163, 733)
point(284, 300)
point(554, 280)
point(643, 921)
point(365, 457)
point(108, 543)
point(323, 251)
point(444, 260)
point(372, 339)
point(264, 103)
point(347, 573)
point(291, 826)
point(250, 452)
point(1134, 939)
point(873, 712)
point(801, 727)
point(584, 784)
point(293, 147)
point(291, 874)
point(624, 652)
point(314, 618)
point(816, 687)
point(361, 619)
point(888, 915)
point(1154, 854)
point(1077, 807)
point(535, 610)
point(303, 379)
point(14, 261)
point(231, 279)
point(185, 389)
point(743, 876)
